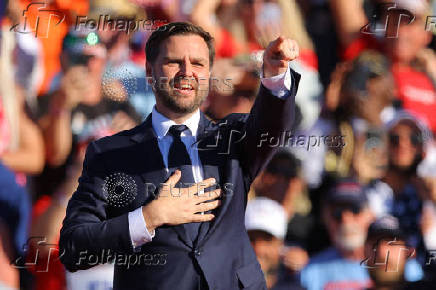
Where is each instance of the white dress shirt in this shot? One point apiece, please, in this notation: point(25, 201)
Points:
point(279, 86)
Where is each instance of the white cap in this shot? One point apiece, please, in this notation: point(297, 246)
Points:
point(266, 215)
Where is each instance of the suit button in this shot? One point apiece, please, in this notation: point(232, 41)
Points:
point(197, 252)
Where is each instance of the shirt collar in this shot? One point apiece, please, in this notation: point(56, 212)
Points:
point(162, 124)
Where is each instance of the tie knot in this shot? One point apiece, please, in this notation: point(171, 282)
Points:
point(176, 130)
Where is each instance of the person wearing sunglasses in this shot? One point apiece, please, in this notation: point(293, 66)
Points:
point(408, 138)
point(405, 145)
point(347, 217)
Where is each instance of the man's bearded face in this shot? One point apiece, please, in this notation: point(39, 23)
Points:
point(181, 73)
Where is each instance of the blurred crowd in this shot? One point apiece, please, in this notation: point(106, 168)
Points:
point(348, 202)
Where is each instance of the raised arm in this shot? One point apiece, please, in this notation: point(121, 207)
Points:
point(273, 110)
point(28, 157)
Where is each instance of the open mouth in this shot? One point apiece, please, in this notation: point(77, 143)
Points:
point(184, 87)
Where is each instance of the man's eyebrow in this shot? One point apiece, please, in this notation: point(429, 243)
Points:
point(193, 59)
point(167, 58)
point(199, 59)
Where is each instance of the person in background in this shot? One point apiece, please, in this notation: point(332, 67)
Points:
point(80, 82)
point(388, 257)
point(167, 10)
point(29, 70)
point(79, 111)
point(265, 222)
point(347, 218)
point(413, 63)
point(408, 139)
point(357, 99)
point(47, 215)
point(426, 171)
point(261, 22)
point(21, 155)
point(9, 275)
point(406, 44)
point(21, 143)
point(14, 225)
point(44, 19)
point(281, 181)
point(120, 68)
point(360, 95)
point(233, 89)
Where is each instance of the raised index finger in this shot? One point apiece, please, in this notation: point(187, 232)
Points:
point(276, 44)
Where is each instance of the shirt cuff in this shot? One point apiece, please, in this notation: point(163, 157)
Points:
point(279, 85)
point(139, 234)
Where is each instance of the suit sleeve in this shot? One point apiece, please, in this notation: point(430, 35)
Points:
point(86, 230)
point(271, 117)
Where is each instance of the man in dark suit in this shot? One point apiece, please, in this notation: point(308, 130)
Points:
point(146, 193)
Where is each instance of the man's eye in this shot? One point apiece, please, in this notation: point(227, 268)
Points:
point(198, 64)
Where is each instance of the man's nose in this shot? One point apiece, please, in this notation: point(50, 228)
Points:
point(186, 68)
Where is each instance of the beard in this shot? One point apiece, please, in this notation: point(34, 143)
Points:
point(177, 102)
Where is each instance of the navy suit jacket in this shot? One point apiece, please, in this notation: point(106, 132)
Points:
point(95, 228)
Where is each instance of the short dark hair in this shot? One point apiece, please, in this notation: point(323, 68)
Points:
point(152, 46)
point(284, 164)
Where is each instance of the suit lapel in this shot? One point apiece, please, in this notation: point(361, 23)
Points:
point(153, 169)
point(213, 165)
